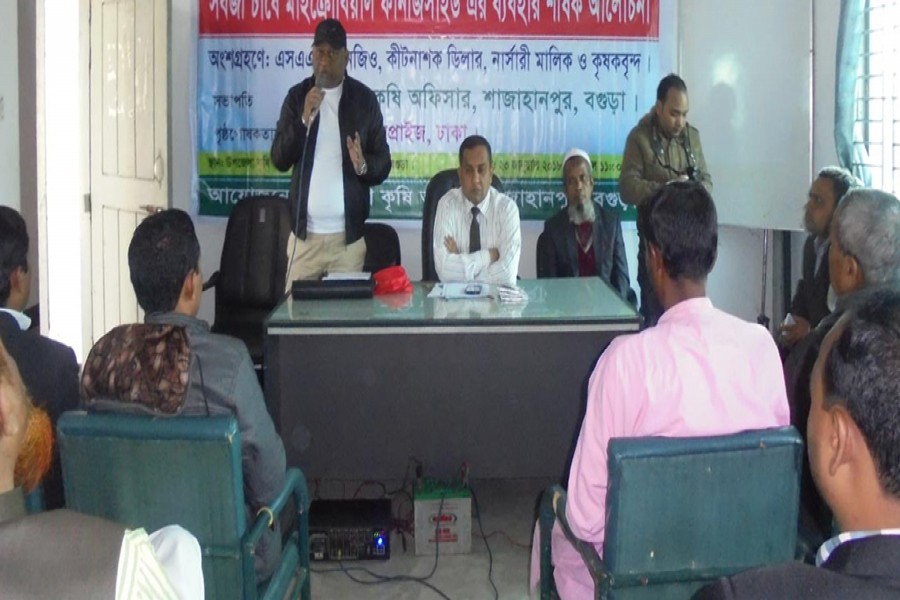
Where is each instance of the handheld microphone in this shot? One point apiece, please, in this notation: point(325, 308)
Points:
point(315, 111)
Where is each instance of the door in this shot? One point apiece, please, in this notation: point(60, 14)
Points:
point(129, 144)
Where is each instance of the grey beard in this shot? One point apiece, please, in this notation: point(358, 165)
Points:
point(582, 213)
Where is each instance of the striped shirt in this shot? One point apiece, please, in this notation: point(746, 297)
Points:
point(499, 223)
point(140, 574)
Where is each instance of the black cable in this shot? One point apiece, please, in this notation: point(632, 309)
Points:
point(296, 224)
point(486, 544)
point(381, 578)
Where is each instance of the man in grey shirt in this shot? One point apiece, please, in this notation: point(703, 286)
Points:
point(164, 259)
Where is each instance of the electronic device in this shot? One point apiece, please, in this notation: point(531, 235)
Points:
point(350, 529)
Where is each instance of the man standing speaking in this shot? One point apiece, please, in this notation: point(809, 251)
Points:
point(331, 131)
point(661, 148)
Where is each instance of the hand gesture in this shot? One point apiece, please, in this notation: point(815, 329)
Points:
point(354, 147)
point(450, 245)
point(793, 332)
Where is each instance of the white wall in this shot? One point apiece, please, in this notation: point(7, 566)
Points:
point(9, 106)
point(735, 284)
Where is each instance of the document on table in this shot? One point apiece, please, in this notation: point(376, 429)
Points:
point(349, 276)
point(460, 291)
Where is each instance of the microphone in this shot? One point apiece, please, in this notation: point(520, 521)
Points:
point(315, 111)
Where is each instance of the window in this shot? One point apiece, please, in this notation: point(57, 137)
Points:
point(876, 132)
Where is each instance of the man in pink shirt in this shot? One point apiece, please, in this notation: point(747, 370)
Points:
point(699, 372)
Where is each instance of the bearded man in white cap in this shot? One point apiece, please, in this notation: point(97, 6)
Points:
point(584, 239)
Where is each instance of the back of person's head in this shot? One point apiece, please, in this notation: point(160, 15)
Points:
point(163, 251)
point(474, 141)
point(861, 374)
point(670, 81)
point(867, 226)
point(680, 220)
point(13, 248)
point(841, 180)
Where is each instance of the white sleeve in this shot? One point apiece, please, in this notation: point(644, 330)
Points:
point(454, 267)
point(509, 245)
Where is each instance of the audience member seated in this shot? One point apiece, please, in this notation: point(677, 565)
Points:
point(164, 257)
point(699, 372)
point(64, 554)
point(585, 240)
point(476, 228)
point(863, 257)
point(49, 368)
point(854, 449)
point(810, 303)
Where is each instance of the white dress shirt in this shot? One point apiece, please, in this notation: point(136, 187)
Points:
point(499, 222)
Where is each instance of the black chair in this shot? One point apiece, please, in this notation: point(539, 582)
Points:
point(250, 279)
point(439, 185)
point(544, 256)
point(382, 247)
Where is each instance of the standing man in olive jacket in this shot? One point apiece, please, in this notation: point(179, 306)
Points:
point(661, 148)
point(331, 131)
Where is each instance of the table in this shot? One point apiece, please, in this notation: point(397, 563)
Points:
point(357, 387)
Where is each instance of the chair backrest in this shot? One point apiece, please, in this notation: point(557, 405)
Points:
point(382, 247)
point(543, 256)
point(683, 511)
point(254, 258)
point(150, 472)
point(439, 185)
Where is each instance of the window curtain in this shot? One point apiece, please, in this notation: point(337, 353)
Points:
point(849, 55)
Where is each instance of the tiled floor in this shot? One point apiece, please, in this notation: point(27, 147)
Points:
point(508, 513)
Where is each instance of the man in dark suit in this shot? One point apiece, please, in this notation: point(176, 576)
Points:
point(854, 452)
point(583, 239)
point(810, 303)
point(48, 368)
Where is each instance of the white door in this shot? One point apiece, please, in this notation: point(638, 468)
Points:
point(129, 144)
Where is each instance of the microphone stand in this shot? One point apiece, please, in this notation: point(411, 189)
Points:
point(762, 319)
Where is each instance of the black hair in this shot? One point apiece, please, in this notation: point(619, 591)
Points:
point(13, 249)
point(841, 181)
point(680, 220)
point(473, 141)
point(667, 83)
point(163, 251)
point(861, 375)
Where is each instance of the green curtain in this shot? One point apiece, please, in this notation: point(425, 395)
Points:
point(849, 54)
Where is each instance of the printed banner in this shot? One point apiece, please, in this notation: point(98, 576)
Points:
point(535, 77)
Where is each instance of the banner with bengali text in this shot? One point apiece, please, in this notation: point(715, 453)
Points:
point(535, 77)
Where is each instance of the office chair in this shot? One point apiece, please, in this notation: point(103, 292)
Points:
point(544, 256)
point(439, 185)
point(382, 247)
point(250, 279)
point(150, 472)
point(681, 512)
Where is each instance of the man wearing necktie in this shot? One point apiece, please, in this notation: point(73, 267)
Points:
point(477, 235)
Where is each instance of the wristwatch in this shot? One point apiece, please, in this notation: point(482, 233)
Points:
point(362, 168)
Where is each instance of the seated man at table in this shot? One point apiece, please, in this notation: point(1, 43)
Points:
point(585, 240)
point(164, 258)
point(854, 450)
point(699, 372)
point(476, 228)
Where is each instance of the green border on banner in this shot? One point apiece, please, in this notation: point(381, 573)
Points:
point(400, 198)
point(407, 165)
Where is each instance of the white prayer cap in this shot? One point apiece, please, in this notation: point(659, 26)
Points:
point(576, 152)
